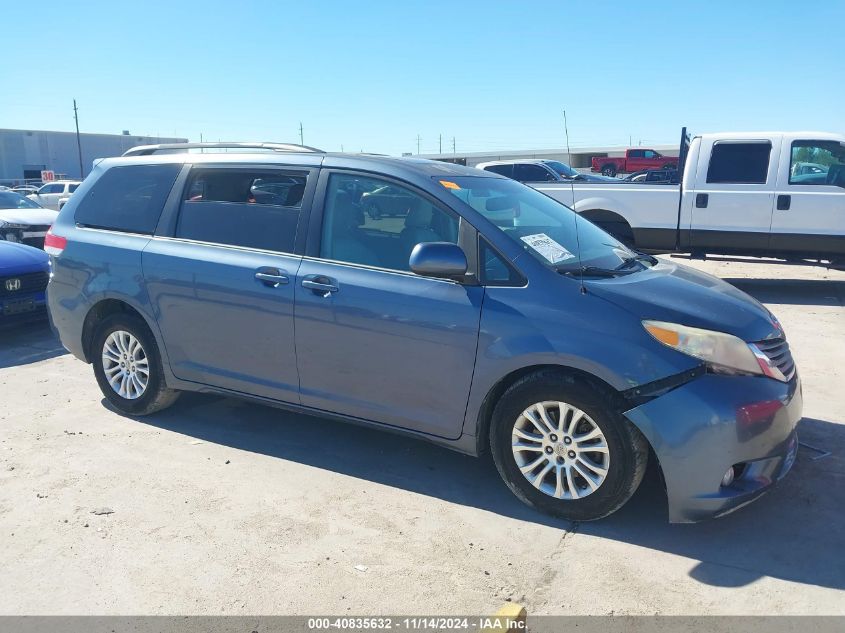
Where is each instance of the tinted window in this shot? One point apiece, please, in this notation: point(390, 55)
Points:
point(368, 221)
point(72, 188)
point(649, 154)
point(531, 173)
point(127, 198)
point(495, 269)
point(817, 163)
point(242, 207)
point(636, 153)
point(52, 189)
point(739, 163)
point(502, 170)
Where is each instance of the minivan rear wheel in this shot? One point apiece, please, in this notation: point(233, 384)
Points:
point(128, 367)
point(562, 449)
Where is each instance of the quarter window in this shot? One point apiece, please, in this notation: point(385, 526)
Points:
point(127, 198)
point(369, 221)
point(739, 163)
point(252, 208)
point(817, 163)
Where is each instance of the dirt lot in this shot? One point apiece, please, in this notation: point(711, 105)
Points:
point(225, 507)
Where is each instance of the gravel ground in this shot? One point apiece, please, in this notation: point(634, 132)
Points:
point(217, 506)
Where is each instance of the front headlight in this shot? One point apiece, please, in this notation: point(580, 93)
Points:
point(719, 350)
point(10, 231)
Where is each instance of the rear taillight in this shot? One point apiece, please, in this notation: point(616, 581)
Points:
point(54, 244)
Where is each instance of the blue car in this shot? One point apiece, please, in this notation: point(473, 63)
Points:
point(24, 272)
point(488, 318)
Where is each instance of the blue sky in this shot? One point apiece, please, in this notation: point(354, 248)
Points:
point(374, 74)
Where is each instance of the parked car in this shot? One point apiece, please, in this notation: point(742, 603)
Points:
point(24, 272)
point(387, 200)
point(25, 190)
point(539, 170)
point(22, 220)
point(496, 320)
point(654, 176)
point(634, 160)
point(49, 195)
point(737, 197)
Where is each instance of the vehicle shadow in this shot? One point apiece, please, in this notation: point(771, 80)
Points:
point(794, 533)
point(821, 292)
point(29, 343)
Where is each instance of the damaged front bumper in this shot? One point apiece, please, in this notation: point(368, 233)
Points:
point(713, 423)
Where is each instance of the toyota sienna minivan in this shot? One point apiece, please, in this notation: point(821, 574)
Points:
point(482, 315)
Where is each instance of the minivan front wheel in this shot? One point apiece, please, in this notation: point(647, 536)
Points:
point(561, 449)
point(128, 366)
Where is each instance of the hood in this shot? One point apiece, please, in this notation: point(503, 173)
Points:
point(680, 294)
point(19, 258)
point(28, 216)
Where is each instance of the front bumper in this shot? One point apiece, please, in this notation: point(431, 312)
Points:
point(702, 428)
point(22, 308)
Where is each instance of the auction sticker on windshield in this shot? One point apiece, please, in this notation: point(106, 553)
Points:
point(550, 250)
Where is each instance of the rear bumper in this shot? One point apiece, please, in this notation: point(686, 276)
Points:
point(701, 429)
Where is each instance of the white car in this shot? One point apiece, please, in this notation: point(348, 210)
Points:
point(50, 194)
point(24, 221)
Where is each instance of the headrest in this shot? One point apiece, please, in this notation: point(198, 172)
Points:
point(419, 216)
point(500, 203)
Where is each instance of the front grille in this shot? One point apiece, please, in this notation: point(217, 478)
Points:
point(35, 242)
point(777, 350)
point(30, 282)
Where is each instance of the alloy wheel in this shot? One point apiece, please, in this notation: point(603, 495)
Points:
point(126, 365)
point(560, 450)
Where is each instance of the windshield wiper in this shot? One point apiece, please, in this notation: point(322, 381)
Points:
point(595, 271)
point(639, 257)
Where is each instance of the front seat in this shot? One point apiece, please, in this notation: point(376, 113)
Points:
point(347, 244)
point(418, 228)
point(836, 175)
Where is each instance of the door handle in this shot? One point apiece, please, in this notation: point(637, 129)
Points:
point(320, 284)
point(701, 200)
point(784, 202)
point(271, 277)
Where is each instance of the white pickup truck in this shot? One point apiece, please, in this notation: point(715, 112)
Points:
point(740, 194)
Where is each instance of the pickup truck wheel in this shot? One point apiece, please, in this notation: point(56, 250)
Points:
point(562, 449)
point(128, 366)
point(608, 170)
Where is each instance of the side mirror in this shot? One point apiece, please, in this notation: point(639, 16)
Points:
point(438, 259)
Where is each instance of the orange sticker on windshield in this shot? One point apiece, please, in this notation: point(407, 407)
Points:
point(449, 184)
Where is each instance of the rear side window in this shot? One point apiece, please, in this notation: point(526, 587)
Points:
point(531, 173)
point(739, 163)
point(502, 170)
point(128, 198)
point(72, 188)
point(253, 208)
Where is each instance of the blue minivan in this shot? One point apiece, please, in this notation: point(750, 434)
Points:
point(478, 313)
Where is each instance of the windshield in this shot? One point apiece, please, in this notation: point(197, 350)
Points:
point(12, 200)
point(563, 169)
point(540, 225)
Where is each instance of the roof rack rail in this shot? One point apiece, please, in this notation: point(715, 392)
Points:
point(147, 150)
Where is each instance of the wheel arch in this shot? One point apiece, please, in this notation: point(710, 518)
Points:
point(567, 374)
point(103, 309)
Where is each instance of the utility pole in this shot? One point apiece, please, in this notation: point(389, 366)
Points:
point(78, 143)
point(418, 143)
point(301, 142)
point(440, 144)
point(454, 151)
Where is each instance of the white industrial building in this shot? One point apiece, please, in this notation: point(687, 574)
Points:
point(25, 153)
point(580, 157)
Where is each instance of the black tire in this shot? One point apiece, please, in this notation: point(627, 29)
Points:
point(609, 170)
point(620, 230)
point(628, 449)
point(157, 395)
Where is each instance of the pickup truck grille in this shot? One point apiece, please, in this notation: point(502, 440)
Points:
point(29, 283)
point(777, 350)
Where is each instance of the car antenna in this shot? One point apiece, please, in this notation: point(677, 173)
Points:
point(572, 188)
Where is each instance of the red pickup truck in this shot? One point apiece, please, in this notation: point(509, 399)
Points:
point(634, 160)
